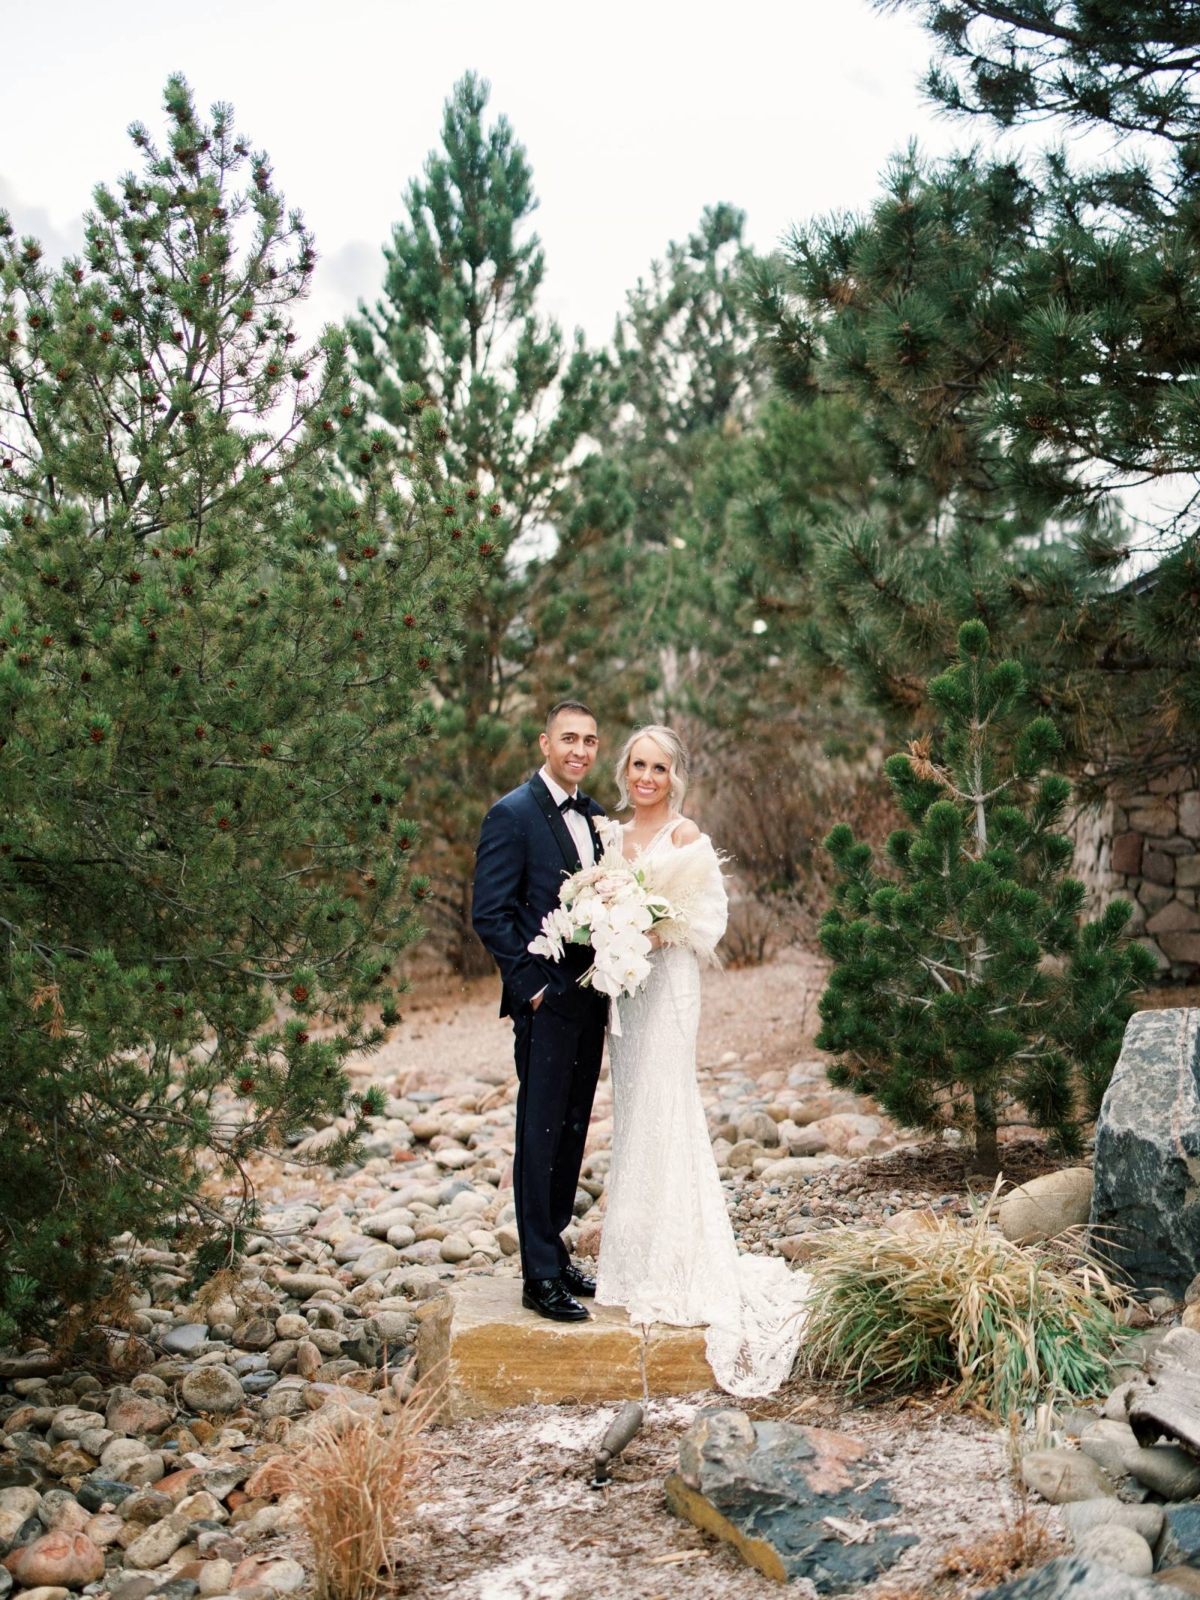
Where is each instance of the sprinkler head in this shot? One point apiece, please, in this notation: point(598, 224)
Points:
point(621, 1430)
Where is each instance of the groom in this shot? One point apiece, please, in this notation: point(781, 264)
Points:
point(531, 840)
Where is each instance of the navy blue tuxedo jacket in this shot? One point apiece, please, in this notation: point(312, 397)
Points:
point(525, 852)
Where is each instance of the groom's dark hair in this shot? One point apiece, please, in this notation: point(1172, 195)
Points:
point(567, 705)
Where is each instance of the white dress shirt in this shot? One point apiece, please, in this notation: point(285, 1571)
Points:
point(575, 820)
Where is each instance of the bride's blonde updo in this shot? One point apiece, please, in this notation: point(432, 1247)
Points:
point(672, 746)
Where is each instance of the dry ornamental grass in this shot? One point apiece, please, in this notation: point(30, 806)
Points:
point(1010, 1324)
point(358, 1478)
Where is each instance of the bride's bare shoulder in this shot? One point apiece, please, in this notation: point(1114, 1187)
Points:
point(685, 832)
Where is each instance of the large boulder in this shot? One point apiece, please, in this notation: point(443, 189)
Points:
point(779, 1493)
point(1145, 1214)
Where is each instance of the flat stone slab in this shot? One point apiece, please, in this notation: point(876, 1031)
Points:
point(488, 1353)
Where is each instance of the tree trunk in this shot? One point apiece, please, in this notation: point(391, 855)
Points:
point(987, 1151)
point(469, 959)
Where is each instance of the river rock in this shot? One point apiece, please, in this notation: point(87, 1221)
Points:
point(255, 1334)
point(1081, 1516)
point(379, 1258)
point(183, 1340)
point(281, 1575)
point(216, 1576)
point(135, 1414)
point(159, 1542)
point(1167, 1470)
point(136, 1470)
point(1046, 1207)
point(21, 1502)
point(768, 1488)
point(282, 1402)
point(66, 1515)
point(1063, 1475)
point(63, 1560)
point(1118, 1547)
point(212, 1389)
point(146, 1506)
point(201, 1506)
point(70, 1422)
point(839, 1129)
point(301, 1285)
point(391, 1327)
point(98, 1491)
point(1145, 1211)
point(103, 1528)
point(760, 1128)
point(136, 1586)
point(792, 1167)
point(1108, 1444)
point(809, 1141)
point(1073, 1579)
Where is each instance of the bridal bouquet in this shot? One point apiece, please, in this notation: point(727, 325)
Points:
point(610, 907)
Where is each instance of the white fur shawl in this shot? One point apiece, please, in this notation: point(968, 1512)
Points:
point(690, 877)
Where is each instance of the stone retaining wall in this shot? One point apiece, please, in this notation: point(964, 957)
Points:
point(1144, 845)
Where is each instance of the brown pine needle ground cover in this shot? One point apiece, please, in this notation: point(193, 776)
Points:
point(1008, 1325)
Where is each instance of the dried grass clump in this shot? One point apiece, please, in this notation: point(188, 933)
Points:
point(1023, 1543)
point(1009, 1324)
point(357, 1477)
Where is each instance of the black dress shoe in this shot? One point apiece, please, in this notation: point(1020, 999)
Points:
point(576, 1282)
point(549, 1298)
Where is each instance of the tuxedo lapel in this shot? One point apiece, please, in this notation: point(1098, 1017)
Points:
point(544, 801)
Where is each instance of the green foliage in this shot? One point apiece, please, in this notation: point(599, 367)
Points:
point(966, 983)
point(458, 322)
point(648, 506)
point(213, 668)
point(1132, 67)
point(1020, 339)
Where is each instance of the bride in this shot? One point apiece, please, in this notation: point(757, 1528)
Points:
point(668, 1252)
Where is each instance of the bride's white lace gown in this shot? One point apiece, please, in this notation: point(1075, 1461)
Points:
point(668, 1252)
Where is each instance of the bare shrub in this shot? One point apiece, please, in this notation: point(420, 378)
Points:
point(760, 925)
point(770, 808)
point(357, 1477)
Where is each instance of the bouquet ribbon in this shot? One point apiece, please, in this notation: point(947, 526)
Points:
point(614, 1018)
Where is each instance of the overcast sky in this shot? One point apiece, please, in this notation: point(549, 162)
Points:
point(635, 116)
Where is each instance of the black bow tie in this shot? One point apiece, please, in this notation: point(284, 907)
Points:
point(574, 802)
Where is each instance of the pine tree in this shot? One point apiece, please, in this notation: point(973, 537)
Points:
point(966, 985)
point(459, 319)
point(211, 706)
point(1021, 337)
point(645, 508)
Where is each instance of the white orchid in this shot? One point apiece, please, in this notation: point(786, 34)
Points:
point(608, 907)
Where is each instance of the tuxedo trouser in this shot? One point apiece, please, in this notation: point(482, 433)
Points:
point(558, 1064)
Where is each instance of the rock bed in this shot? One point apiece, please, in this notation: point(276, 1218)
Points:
point(151, 1485)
